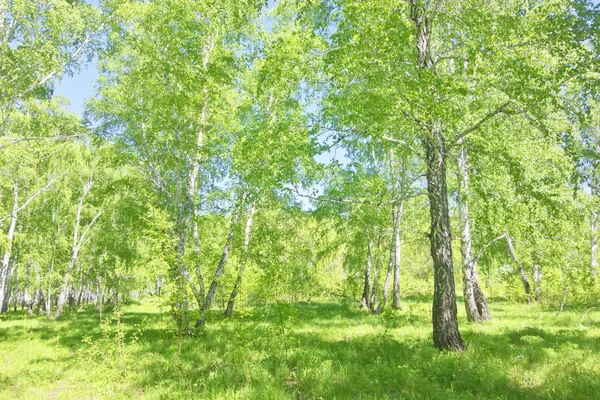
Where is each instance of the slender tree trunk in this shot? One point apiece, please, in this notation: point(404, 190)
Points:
point(27, 298)
point(220, 268)
point(238, 281)
point(397, 255)
point(385, 292)
point(391, 261)
point(62, 297)
point(48, 299)
point(78, 241)
point(537, 282)
point(594, 245)
point(14, 284)
point(37, 292)
point(365, 302)
point(4, 268)
point(522, 273)
point(475, 302)
point(189, 209)
point(375, 274)
point(199, 275)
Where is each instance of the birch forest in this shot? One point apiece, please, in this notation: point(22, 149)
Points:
point(299, 199)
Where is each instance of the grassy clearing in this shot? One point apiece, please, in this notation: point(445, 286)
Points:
point(303, 351)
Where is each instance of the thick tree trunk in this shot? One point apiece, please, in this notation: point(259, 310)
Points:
point(397, 255)
point(238, 281)
point(220, 268)
point(4, 268)
point(445, 324)
point(475, 302)
point(513, 255)
point(365, 301)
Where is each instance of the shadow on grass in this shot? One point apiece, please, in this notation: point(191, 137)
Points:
point(308, 351)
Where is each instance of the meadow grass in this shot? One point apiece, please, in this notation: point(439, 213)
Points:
point(316, 350)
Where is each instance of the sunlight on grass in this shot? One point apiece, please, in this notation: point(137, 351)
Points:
point(306, 351)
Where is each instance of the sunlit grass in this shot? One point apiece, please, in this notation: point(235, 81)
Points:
point(304, 351)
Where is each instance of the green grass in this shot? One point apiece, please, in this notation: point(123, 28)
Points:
point(303, 351)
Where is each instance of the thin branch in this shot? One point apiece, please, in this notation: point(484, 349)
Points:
point(87, 228)
point(30, 199)
point(389, 139)
point(482, 121)
point(54, 72)
point(28, 139)
point(486, 247)
point(351, 201)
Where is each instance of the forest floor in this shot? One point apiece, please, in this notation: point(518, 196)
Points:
point(302, 351)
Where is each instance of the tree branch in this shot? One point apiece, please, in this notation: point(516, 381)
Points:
point(486, 247)
point(482, 121)
point(30, 199)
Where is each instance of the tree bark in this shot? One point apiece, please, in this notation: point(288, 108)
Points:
point(537, 282)
point(189, 209)
point(475, 302)
point(220, 268)
point(375, 274)
point(365, 301)
point(444, 315)
point(445, 323)
point(513, 255)
point(594, 245)
point(238, 281)
point(62, 297)
point(388, 276)
point(4, 268)
point(397, 255)
point(78, 241)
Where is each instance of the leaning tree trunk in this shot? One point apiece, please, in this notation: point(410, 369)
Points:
point(210, 295)
point(475, 302)
point(365, 301)
point(397, 255)
point(513, 255)
point(238, 281)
